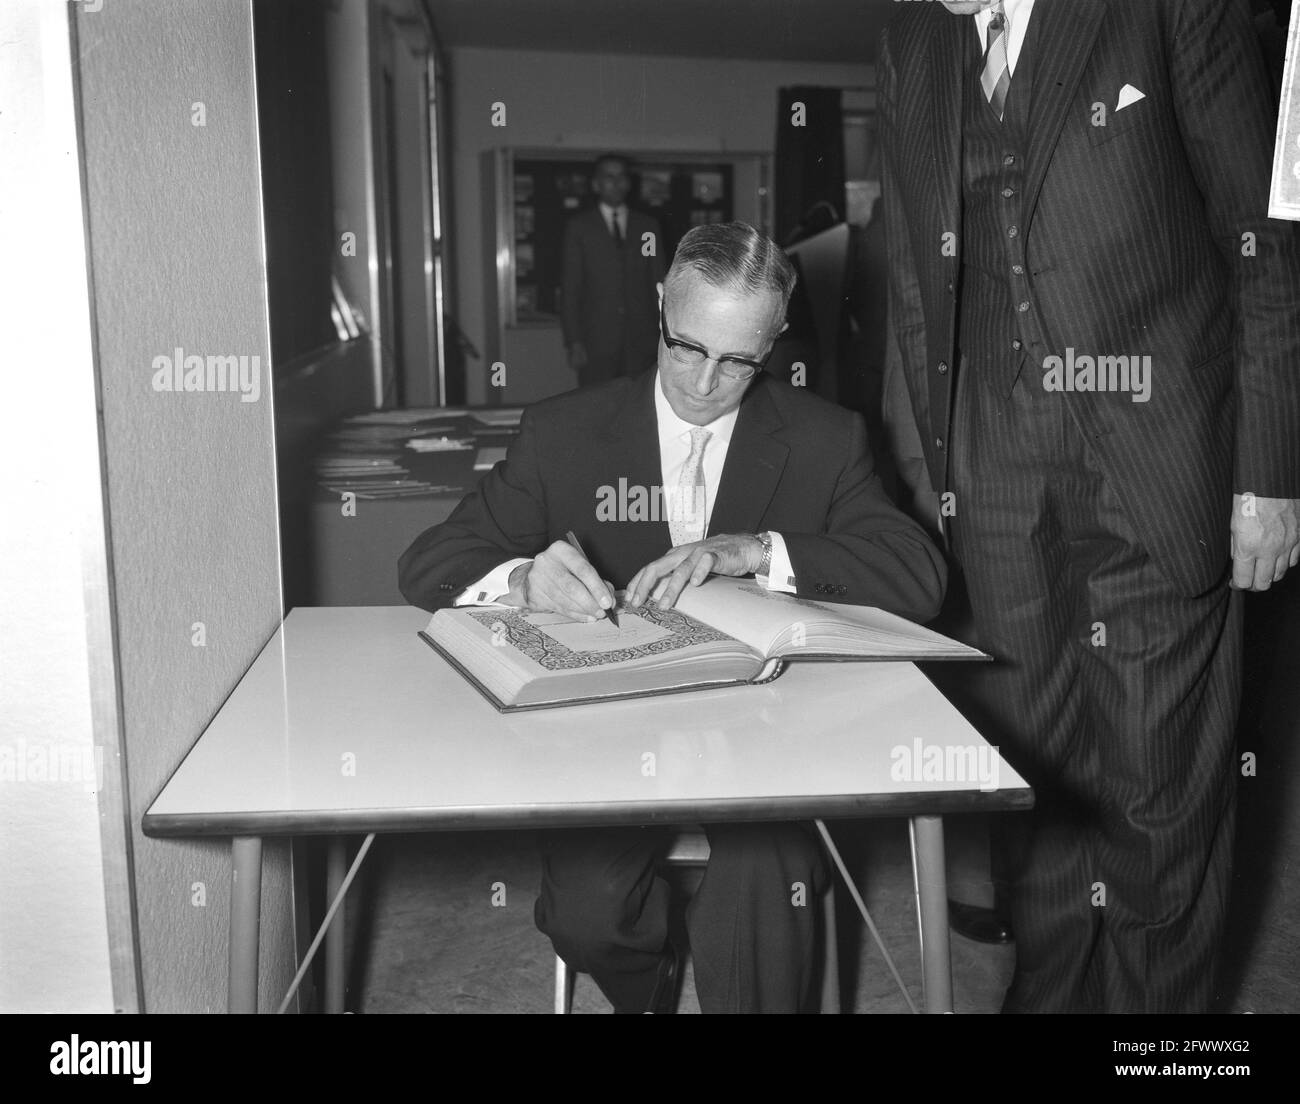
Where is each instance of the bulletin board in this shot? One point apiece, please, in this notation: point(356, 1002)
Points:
point(545, 191)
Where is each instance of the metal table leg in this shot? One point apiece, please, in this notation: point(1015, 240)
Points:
point(849, 884)
point(931, 883)
point(335, 868)
point(245, 921)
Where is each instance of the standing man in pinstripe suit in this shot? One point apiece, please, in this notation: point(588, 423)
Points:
point(1100, 338)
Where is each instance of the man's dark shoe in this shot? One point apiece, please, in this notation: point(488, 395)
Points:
point(668, 988)
point(983, 925)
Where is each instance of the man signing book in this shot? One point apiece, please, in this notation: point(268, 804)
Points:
point(743, 475)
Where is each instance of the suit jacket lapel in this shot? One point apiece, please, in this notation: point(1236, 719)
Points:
point(755, 461)
point(947, 51)
point(1065, 40)
point(755, 457)
point(632, 440)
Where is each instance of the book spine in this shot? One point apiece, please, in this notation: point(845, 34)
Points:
point(773, 669)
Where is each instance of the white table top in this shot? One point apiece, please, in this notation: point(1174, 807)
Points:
point(348, 721)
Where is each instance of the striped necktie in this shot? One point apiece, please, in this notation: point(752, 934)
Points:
point(996, 77)
point(687, 514)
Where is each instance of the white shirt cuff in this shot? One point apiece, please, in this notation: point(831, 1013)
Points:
point(781, 571)
point(495, 585)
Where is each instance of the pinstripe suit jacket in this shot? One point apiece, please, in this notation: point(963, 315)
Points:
point(1145, 236)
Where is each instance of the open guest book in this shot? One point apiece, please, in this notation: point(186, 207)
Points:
point(725, 632)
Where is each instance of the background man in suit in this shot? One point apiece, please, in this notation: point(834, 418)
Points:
point(771, 481)
point(1088, 181)
point(609, 274)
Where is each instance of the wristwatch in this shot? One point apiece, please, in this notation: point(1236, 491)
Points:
point(765, 566)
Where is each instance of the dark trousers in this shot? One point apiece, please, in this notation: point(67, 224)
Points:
point(1116, 696)
point(751, 923)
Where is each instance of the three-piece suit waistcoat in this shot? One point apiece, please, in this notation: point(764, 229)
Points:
point(996, 318)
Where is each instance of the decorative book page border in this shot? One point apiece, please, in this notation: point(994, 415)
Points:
point(551, 655)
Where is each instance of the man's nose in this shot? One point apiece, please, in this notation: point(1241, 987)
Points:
point(706, 379)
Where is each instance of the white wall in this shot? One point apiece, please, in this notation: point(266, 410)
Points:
point(600, 102)
point(54, 942)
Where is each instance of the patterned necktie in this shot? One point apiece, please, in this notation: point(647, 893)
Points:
point(996, 77)
point(687, 513)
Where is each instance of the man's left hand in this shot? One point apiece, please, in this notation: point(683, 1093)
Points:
point(1265, 540)
point(664, 579)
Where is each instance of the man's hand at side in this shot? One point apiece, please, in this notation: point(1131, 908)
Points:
point(560, 580)
point(664, 579)
point(1265, 540)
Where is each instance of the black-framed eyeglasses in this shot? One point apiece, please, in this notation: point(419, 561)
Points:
point(736, 368)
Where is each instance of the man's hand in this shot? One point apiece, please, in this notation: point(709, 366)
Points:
point(560, 580)
point(577, 356)
point(665, 578)
point(1265, 540)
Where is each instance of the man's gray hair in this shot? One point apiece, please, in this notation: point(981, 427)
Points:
point(734, 255)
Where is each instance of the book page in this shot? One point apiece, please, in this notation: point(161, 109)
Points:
point(774, 624)
point(554, 643)
point(751, 614)
point(1284, 196)
point(632, 633)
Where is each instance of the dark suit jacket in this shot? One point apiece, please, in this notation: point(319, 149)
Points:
point(1136, 240)
point(609, 293)
point(796, 464)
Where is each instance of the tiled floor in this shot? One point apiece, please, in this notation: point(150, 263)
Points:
point(443, 923)
point(452, 929)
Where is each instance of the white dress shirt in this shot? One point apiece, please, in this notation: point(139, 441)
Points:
point(1017, 12)
point(607, 213)
point(674, 450)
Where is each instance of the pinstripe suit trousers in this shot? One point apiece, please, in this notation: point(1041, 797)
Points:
point(1115, 695)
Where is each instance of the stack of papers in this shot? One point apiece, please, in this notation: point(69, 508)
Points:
point(366, 455)
point(505, 416)
point(440, 444)
point(373, 477)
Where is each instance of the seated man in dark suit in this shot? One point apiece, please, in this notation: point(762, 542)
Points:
point(762, 478)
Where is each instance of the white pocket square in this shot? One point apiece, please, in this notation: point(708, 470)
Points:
point(1129, 95)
